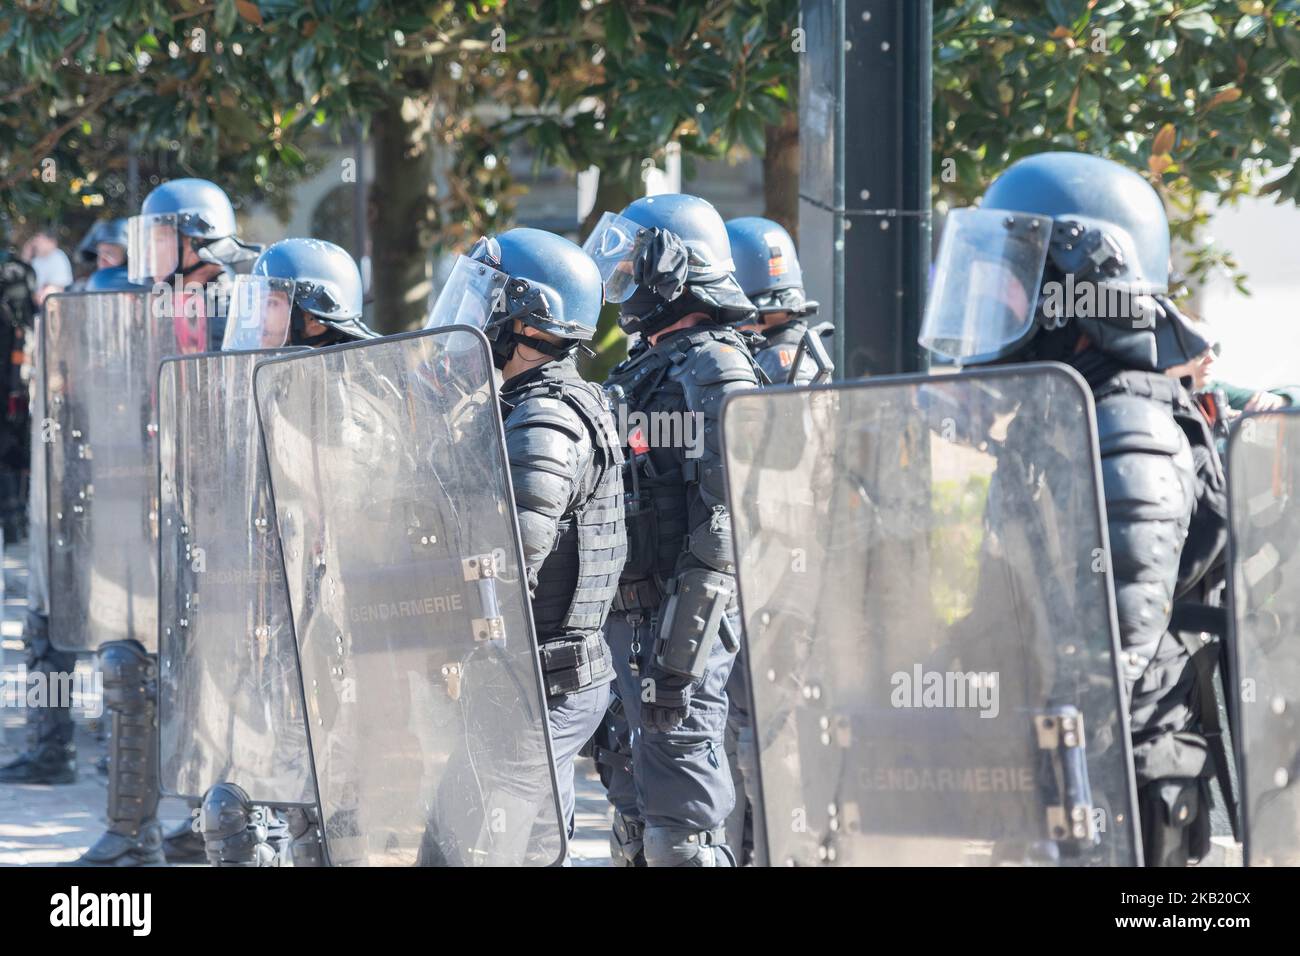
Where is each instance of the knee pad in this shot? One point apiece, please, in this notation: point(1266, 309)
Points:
point(627, 841)
point(684, 846)
point(129, 675)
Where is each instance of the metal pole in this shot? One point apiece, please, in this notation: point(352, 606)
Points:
point(865, 102)
point(359, 194)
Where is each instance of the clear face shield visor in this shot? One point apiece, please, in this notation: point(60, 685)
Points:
point(153, 248)
point(260, 313)
point(614, 246)
point(987, 276)
point(154, 245)
point(472, 295)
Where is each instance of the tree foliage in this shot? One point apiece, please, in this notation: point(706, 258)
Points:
point(1199, 96)
point(229, 89)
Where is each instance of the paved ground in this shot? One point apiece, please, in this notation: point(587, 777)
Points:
point(47, 825)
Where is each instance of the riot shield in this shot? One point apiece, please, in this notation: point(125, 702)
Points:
point(425, 710)
point(230, 698)
point(1264, 485)
point(38, 578)
point(930, 622)
point(101, 352)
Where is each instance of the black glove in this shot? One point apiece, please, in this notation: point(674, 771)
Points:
point(663, 265)
point(670, 699)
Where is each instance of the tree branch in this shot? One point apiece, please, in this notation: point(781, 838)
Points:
point(47, 142)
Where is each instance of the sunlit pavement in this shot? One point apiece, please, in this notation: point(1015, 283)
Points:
point(49, 825)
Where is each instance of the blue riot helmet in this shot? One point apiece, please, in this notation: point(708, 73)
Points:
point(1062, 243)
point(293, 283)
point(767, 266)
point(537, 277)
point(112, 279)
point(665, 257)
point(105, 232)
point(181, 209)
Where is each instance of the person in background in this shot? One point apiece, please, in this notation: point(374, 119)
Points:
point(104, 246)
point(50, 263)
point(1220, 402)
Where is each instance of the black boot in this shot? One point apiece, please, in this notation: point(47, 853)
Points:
point(51, 757)
point(184, 844)
point(51, 765)
point(134, 836)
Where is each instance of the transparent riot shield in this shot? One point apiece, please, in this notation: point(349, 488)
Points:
point(1264, 484)
point(930, 622)
point(230, 698)
point(424, 703)
point(101, 352)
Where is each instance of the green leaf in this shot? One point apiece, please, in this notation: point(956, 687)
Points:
point(1247, 26)
point(1199, 26)
point(227, 15)
point(618, 28)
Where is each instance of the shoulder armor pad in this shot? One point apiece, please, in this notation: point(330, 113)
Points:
point(715, 362)
point(594, 405)
point(775, 359)
point(788, 334)
point(545, 411)
point(1127, 423)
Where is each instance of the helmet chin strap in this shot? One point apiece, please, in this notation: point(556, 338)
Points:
point(199, 263)
point(298, 332)
point(508, 341)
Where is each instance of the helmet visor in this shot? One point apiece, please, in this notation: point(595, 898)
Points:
point(614, 246)
point(471, 295)
point(152, 248)
point(986, 283)
point(260, 312)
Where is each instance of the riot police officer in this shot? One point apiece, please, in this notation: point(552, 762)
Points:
point(767, 268)
point(541, 298)
point(105, 245)
point(674, 629)
point(186, 231)
point(303, 292)
point(185, 227)
point(51, 757)
point(1062, 262)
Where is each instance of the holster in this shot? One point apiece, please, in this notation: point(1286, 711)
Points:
point(691, 620)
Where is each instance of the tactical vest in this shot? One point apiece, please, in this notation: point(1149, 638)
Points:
point(655, 485)
point(591, 535)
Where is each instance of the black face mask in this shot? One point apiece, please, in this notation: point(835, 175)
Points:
point(298, 334)
point(503, 348)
